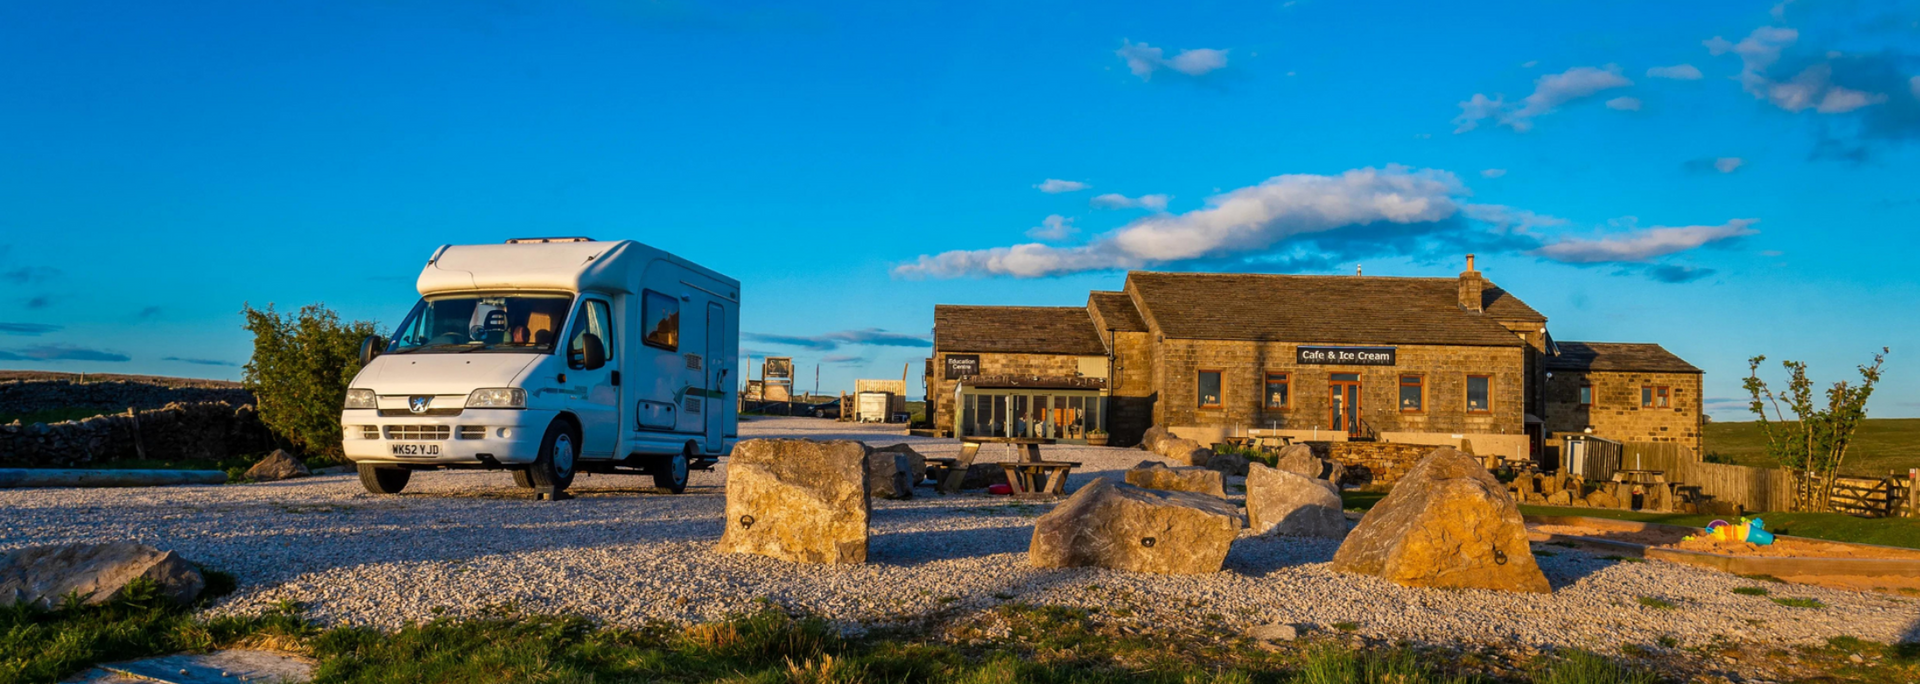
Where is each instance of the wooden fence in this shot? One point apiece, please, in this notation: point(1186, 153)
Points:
point(1756, 489)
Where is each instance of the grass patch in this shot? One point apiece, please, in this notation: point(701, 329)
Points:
point(39, 645)
point(1799, 602)
point(1346, 626)
point(1750, 591)
point(1582, 667)
point(1763, 578)
point(1357, 499)
point(1882, 444)
point(1657, 603)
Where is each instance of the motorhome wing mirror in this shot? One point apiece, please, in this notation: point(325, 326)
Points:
point(593, 351)
point(370, 347)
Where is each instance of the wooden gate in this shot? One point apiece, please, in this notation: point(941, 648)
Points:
point(1864, 497)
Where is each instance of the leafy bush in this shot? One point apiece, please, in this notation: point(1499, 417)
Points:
point(299, 372)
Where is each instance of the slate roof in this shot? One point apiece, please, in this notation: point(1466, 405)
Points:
point(1626, 357)
point(1116, 309)
point(1325, 309)
point(1016, 329)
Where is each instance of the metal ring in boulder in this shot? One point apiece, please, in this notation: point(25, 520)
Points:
point(1147, 542)
point(746, 521)
point(1499, 557)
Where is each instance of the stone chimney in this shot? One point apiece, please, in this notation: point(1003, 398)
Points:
point(1471, 288)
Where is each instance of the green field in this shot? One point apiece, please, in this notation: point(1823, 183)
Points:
point(1883, 444)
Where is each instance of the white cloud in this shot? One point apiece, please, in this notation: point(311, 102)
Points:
point(1550, 91)
point(1054, 186)
point(1510, 219)
point(1642, 245)
point(1678, 72)
point(1529, 64)
point(1728, 164)
point(1053, 228)
point(1839, 100)
point(1114, 200)
point(1474, 110)
point(1493, 173)
point(1243, 221)
point(1198, 61)
point(1143, 59)
point(1625, 104)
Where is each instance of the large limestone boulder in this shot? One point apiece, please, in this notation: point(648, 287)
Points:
point(798, 499)
point(916, 461)
point(1185, 451)
point(1600, 498)
point(1288, 503)
point(1151, 439)
point(1448, 523)
point(278, 465)
point(44, 575)
point(1156, 475)
point(1121, 527)
point(1299, 458)
point(1228, 464)
point(888, 475)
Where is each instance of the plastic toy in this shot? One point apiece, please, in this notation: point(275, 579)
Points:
point(1752, 531)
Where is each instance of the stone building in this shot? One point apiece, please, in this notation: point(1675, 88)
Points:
point(1321, 358)
point(1624, 392)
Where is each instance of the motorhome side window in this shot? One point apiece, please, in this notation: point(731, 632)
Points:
point(662, 317)
point(594, 319)
point(490, 323)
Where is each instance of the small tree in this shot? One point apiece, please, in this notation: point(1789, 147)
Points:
point(1814, 444)
point(299, 373)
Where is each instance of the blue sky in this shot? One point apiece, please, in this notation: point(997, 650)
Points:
point(1723, 178)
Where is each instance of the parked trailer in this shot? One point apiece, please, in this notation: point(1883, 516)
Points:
point(550, 356)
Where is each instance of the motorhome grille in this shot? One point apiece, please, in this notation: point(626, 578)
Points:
point(369, 432)
point(473, 432)
point(403, 413)
point(418, 432)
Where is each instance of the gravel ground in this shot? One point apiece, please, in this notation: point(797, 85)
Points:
point(458, 543)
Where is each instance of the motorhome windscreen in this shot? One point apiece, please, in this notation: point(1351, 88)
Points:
point(467, 323)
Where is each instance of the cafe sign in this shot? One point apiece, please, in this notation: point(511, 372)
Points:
point(1344, 356)
point(962, 366)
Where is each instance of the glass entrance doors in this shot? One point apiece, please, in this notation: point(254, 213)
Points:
point(1050, 414)
point(1343, 402)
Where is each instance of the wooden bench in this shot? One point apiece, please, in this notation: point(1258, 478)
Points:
point(956, 472)
point(1038, 479)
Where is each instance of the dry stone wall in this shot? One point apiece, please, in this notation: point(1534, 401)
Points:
point(29, 396)
point(208, 431)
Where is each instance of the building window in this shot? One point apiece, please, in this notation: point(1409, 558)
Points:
point(1586, 395)
point(1209, 389)
point(1479, 398)
point(1655, 397)
point(1413, 394)
point(1279, 394)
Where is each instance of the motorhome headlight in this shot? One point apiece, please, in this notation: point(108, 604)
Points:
point(498, 397)
point(362, 399)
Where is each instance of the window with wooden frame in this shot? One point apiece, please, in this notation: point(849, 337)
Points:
point(1479, 394)
point(1586, 394)
point(1655, 396)
point(1413, 393)
point(1210, 390)
point(1279, 391)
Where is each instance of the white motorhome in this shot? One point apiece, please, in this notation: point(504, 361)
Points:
point(547, 357)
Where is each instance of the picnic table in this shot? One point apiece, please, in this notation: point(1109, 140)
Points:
point(1630, 476)
point(1023, 473)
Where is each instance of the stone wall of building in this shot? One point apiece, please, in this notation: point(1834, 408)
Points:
point(208, 431)
point(1026, 365)
point(1443, 369)
point(1617, 413)
point(1130, 406)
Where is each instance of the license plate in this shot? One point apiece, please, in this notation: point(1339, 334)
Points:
point(416, 450)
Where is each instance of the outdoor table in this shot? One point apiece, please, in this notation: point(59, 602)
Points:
point(937, 468)
point(1038, 479)
point(1640, 476)
point(970, 445)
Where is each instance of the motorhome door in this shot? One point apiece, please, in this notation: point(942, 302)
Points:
point(717, 380)
point(592, 393)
